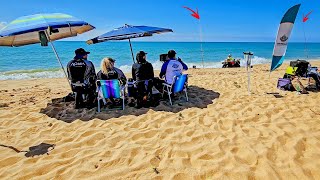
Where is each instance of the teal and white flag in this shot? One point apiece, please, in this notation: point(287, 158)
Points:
point(283, 36)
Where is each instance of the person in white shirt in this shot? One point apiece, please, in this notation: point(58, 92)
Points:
point(172, 67)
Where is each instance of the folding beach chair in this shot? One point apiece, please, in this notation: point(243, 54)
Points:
point(313, 74)
point(108, 89)
point(179, 84)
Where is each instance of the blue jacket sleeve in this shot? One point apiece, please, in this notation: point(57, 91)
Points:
point(185, 67)
point(164, 69)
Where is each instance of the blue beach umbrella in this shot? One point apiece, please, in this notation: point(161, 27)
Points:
point(128, 32)
point(42, 28)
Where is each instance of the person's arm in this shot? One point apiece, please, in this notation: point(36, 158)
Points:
point(151, 71)
point(68, 71)
point(93, 70)
point(185, 67)
point(164, 69)
point(99, 76)
point(121, 76)
point(133, 73)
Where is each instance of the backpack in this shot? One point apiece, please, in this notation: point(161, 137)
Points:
point(302, 67)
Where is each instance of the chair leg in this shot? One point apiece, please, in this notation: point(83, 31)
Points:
point(185, 90)
point(169, 94)
point(122, 103)
point(163, 92)
point(99, 110)
point(123, 98)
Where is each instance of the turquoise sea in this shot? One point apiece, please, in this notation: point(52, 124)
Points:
point(35, 61)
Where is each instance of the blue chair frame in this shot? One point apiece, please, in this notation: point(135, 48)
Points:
point(109, 89)
point(179, 84)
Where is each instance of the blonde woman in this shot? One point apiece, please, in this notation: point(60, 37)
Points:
point(108, 71)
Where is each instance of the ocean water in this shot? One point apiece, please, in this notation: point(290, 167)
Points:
point(34, 61)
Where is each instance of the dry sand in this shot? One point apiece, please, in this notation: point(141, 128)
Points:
point(221, 133)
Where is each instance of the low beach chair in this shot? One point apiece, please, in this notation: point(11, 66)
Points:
point(108, 89)
point(179, 84)
point(313, 74)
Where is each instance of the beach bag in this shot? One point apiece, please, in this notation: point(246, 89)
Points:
point(285, 84)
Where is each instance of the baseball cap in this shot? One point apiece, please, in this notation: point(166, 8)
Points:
point(171, 52)
point(141, 53)
point(81, 51)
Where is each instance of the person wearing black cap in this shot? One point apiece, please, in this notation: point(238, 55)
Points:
point(142, 74)
point(81, 73)
point(172, 67)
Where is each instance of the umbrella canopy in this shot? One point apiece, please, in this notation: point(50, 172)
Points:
point(25, 30)
point(42, 28)
point(128, 32)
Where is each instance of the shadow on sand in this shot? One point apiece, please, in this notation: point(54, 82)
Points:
point(64, 111)
point(38, 150)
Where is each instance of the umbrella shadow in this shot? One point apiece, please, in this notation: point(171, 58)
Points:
point(38, 150)
point(64, 111)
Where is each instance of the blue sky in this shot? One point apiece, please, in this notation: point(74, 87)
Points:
point(221, 20)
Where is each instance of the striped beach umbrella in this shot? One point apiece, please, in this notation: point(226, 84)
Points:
point(42, 28)
point(128, 32)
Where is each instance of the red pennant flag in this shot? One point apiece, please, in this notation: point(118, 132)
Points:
point(194, 13)
point(306, 18)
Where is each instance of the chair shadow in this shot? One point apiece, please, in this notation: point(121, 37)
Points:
point(64, 111)
point(38, 150)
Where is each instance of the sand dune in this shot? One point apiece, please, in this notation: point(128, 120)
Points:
point(221, 133)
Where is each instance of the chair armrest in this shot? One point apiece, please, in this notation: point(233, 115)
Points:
point(165, 84)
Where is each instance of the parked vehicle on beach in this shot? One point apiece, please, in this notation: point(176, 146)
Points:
point(231, 64)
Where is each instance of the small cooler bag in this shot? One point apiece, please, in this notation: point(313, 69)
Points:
point(285, 84)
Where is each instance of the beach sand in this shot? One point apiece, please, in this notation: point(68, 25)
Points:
point(221, 133)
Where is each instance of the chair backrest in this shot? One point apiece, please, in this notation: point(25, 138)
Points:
point(313, 70)
point(179, 83)
point(110, 88)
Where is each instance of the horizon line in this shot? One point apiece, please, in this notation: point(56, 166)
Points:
point(196, 41)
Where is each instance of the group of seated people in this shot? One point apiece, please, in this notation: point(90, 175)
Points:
point(81, 73)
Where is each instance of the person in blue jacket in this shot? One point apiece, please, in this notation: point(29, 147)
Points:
point(172, 67)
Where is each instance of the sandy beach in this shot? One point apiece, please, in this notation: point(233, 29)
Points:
point(221, 133)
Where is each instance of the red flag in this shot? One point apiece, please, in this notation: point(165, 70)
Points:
point(194, 13)
point(306, 18)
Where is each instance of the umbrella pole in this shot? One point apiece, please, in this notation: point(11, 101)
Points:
point(58, 58)
point(131, 50)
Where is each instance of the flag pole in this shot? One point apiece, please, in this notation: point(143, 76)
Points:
point(201, 41)
point(305, 41)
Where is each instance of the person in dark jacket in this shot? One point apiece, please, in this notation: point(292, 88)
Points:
point(82, 76)
point(142, 70)
point(143, 75)
point(109, 72)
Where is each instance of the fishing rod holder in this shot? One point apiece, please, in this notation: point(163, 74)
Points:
point(248, 59)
